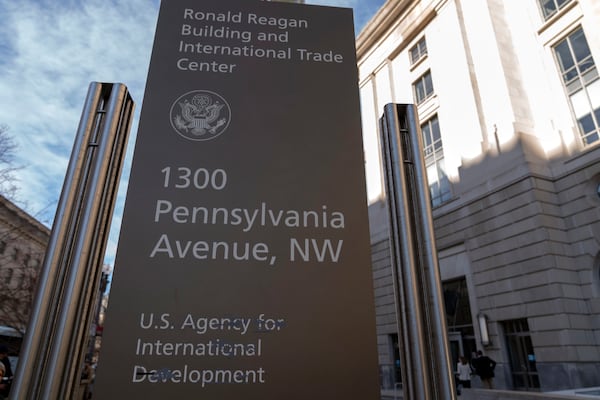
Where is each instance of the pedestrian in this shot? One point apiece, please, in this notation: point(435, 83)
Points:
point(484, 368)
point(8, 374)
point(2, 372)
point(463, 374)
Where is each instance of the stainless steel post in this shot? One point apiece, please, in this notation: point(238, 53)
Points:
point(54, 345)
point(425, 355)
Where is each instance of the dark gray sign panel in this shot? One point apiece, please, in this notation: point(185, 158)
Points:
point(243, 268)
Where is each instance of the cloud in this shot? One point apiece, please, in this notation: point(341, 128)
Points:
point(50, 52)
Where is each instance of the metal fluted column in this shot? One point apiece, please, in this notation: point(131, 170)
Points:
point(425, 355)
point(55, 343)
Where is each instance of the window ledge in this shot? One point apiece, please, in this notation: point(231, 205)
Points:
point(560, 13)
point(428, 107)
point(418, 62)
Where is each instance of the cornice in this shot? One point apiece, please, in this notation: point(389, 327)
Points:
point(400, 15)
point(380, 24)
point(24, 216)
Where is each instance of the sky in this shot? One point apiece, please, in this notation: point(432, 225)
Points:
point(50, 51)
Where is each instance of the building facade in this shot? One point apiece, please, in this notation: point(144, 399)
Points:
point(508, 96)
point(23, 242)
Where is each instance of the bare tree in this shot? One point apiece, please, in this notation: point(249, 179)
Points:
point(23, 241)
point(8, 148)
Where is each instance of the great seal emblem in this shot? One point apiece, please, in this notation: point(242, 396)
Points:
point(200, 115)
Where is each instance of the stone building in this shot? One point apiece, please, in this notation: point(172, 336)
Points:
point(508, 96)
point(23, 242)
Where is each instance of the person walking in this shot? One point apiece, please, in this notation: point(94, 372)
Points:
point(463, 375)
point(8, 374)
point(2, 372)
point(484, 368)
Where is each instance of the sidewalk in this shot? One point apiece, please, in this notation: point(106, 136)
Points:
point(486, 394)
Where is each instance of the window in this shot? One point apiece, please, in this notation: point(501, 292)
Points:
point(580, 77)
point(7, 273)
point(418, 51)
point(423, 88)
point(596, 276)
point(521, 355)
point(439, 185)
point(551, 7)
point(396, 353)
point(390, 373)
point(461, 333)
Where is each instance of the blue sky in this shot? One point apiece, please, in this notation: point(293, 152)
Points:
point(50, 50)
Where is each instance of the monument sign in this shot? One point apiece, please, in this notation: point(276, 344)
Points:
point(243, 267)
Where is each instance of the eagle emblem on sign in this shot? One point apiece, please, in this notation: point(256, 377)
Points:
point(200, 115)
